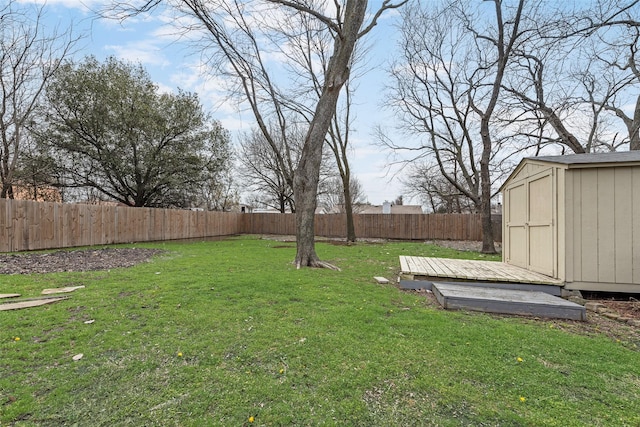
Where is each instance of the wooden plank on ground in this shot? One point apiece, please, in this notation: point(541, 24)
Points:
point(9, 296)
point(61, 290)
point(412, 264)
point(404, 264)
point(426, 268)
point(29, 303)
point(443, 268)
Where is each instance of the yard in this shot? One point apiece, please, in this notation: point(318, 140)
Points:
point(228, 332)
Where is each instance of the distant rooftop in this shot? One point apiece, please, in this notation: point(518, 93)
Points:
point(395, 209)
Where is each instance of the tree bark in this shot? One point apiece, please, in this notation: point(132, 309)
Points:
point(307, 172)
point(488, 245)
point(634, 127)
point(348, 207)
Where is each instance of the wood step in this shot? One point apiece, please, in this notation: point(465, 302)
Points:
point(506, 301)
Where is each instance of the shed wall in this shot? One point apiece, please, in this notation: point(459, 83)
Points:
point(602, 231)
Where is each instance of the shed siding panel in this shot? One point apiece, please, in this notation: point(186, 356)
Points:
point(623, 229)
point(575, 223)
point(605, 227)
point(522, 173)
point(635, 227)
point(540, 206)
point(589, 225)
point(560, 228)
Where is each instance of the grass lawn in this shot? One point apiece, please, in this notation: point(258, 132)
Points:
point(228, 333)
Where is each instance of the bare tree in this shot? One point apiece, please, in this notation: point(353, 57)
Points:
point(233, 47)
point(507, 34)
point(28, 59)
point(262, 172)
point(430, 94)
point(612, 82)
point(575, 76)
point(425, 181)
point(332, 195)
point(544, 101)
point(346, 28)
point(310, 44)
point(220, 191)
point(338, 141)
point(447, 89)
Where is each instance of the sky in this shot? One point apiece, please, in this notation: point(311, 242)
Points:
point(150, 41)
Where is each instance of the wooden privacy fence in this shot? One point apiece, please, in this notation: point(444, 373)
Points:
point(384, 226)
point(28, 225)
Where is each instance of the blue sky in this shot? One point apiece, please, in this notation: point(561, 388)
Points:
point(149, 40)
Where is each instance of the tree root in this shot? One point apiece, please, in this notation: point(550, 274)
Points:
point(317, 264)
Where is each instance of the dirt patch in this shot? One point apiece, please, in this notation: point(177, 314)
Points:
point(463, 245)
point(77, 260)
point(630, 309)
point(460, 245)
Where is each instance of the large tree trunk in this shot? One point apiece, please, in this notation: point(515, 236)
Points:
point(488, 245)
point(348, 207)
point(306, 177)
point(5, 192)
point(307, 173)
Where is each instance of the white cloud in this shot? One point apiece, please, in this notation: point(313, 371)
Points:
point(146, 52)
point(163, 88)
point(84, 5)
point(234, 124)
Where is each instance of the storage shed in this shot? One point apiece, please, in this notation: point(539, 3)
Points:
point(576, 218)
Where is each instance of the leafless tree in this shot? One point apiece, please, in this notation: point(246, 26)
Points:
point(447, 88)
point(231, 44)
point(262, 173)
point(29, 56)
point(612, 80)
point(332, 195)
point(425, 181)
point(543, 95)
point(310, 43)
point(576, 75)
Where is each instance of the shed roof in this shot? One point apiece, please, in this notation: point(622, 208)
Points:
point(594, 159)
point(587, 160)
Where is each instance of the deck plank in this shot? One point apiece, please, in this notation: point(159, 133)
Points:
point(404, 266)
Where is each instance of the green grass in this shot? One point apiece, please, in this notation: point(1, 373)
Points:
point(212, 333)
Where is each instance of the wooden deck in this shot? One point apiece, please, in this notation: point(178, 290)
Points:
point(460, 269)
